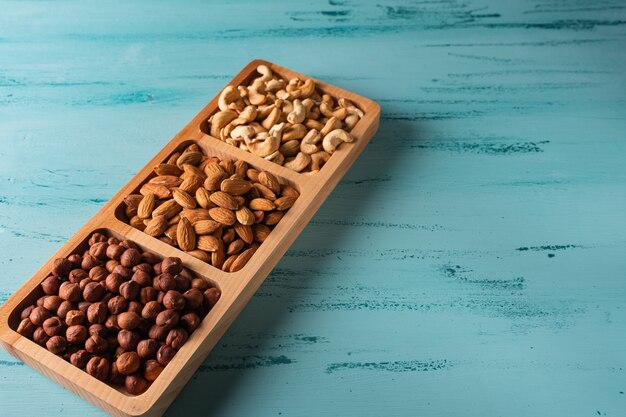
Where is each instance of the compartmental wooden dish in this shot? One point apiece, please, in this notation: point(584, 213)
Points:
point(237, 287)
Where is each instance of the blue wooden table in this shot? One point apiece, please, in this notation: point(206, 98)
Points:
point(472, 262)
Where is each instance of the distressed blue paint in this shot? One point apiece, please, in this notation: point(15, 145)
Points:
point(471, 262)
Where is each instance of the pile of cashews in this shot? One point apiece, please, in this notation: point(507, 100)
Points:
point(288, 123)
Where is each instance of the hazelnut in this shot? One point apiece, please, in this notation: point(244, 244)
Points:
point(53, 326)
point(165, 354)
point(93, 292)
point(199, 284)
point(212, 295)
point(165, 282)
point(99, 250)
point(51, 285)
point(176, 338)
point(167, 319)
point(135, 384)
point(113, 282)
point(64, 308)
point(115, 251)
point(183, 283)
point(130, 257)
point(84, 306)
point(89, 262)
point(173, 300)
point(97, 237)
point(97, 313)
point(111, 323)
point(115, 377)
point(123, 271)
point(112, 342)
point(56, 344)
point(171, 265)
point(193, 298)
point(84, 283)
point(26, 312)
point(128, 320)
point(76, 334)
point(117, 304)
point(144, 266)
point(52, 303)
point(148, 294)
point(110, 265)
point(40, 337)
point(39, 315)
point(80, 358)
point(128, 244)
point(128, 363)
point(113, 241)
point(40, 301)
point(150, 257)
point(77, 275)
point(26, 328)
point(142, 278)
point(98, 329)
point(98, 273)
point(135, 307)
point(152, 370)
point(127, 339)
point(74, 317)
point(190, 322)
point(157, 333)
point(61, 267)
point(75, 259)
point(129, 290)
point(96, 344)
point(157, 268)
point(70, 292)
point(98, 368)
point(151, 310)
point(147, 348)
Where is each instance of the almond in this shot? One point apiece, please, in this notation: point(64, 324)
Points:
point(228, 235)
point(244, 232)
point(174, 220)
point(206, 227)
point(167, 180)
point(191, 184)
point(241, 167)
point(222, 199)
point(284, 203)
point(193, 170)
point(137, 223)
point(200, 254)
point(191, 157)
point(183, 198)
point(156, 226)
point(212, 168)
point(133, 200)
point(173, 158)
point(289, 191)
point(167, 169)
point(146, 207)
point(160, 191)
point(245, 216)
point(185, 235)
point(214, 180)
point(260, 232)
point(195, 215)
point(208, 243)
point(273, 217)
point(242, 260)
point(223, 216)
point(235, 247)
point(265, 192)
point(270, 181)
point(169, 208)
point(262, 204)
point(228, 262)
point(218, 257)
point(203, 197)
point(171, 231)
point(253, 174)
point(192, 148)
point(234, 186)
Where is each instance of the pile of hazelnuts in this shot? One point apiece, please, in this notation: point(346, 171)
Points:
point(117, 312)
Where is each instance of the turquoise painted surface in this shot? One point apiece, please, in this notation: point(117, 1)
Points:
point(472, 262)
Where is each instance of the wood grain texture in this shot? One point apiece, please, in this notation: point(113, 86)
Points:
point(470, 263)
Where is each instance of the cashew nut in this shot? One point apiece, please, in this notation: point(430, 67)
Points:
point(255, 97)
point(298, 114)
point(283, 95)
point(334, 139)
point(242, 131)
point(309, 142)
point(276, 157)
point(266, 73)
point(265, 147)
point(301, 90)
point(272, 118)
point(294, 132)
point(318, 159)
point(274, 85)
point(299, 162)
point(326, 108)
point(290, 148)
point(228, 97)
point(221, 119)
point(350, 107)
point(313, 124)
point(351, 120)
point(332, 124)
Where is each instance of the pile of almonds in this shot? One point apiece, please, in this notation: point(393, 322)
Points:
point(118, 313)
point(289, 123)
point(218, 211)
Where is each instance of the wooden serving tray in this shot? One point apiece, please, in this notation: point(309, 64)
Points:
point(237, 287)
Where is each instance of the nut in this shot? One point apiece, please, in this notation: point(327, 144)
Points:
point(165, 354)
point(26, 328)
point(38, 315)
point(152, 370)
point(80, 358)
point(61, 267)
point(96, 344)
point(127, 339)
point(98, 368)
point(147, 348)
point(151, 309)
point(97, 313)
point(117, 304)
point(135, 384)
point(56, 344)
point(128, 320)
point(167, 319)
point(174, 300)
point(176, 338)
point(190, 322)
point(128, 363)
point(93, 292)
point(51, 285)
point(76, 334)
point(74, 317)
point(53, 326)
